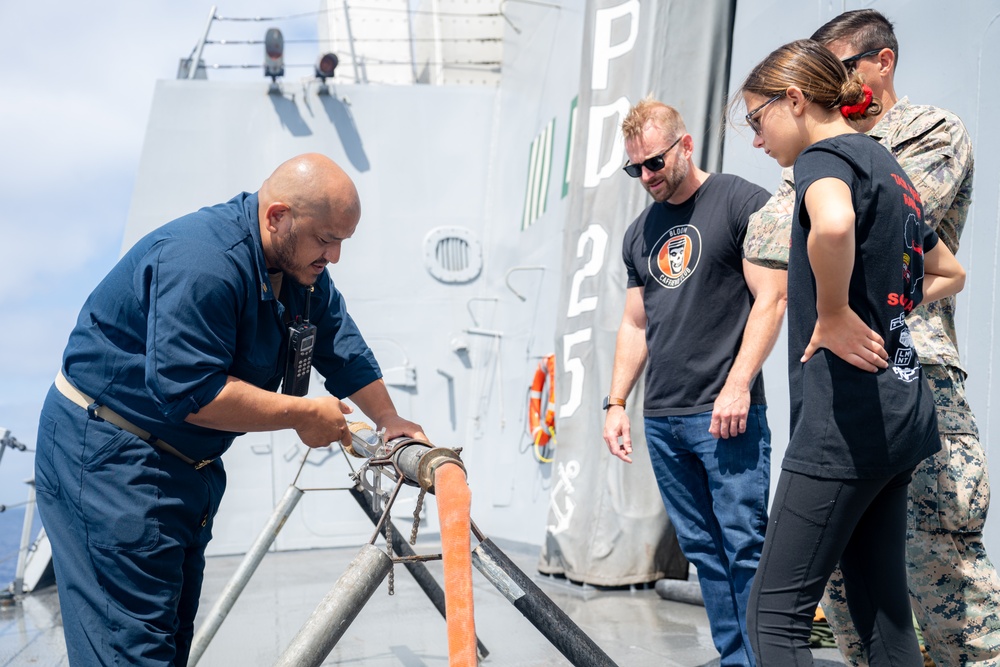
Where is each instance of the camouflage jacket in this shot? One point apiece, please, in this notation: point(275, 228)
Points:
point(934, 149)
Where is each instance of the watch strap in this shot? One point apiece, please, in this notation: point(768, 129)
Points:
point(611, 400)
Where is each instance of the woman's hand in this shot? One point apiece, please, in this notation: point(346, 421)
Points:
point(842, 332)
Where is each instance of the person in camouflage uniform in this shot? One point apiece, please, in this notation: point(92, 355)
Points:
point(954, 587)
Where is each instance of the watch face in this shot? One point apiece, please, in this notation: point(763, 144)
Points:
point(605, 405)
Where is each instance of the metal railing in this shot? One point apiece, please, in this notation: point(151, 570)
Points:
point(422, 46)
point(16, 587)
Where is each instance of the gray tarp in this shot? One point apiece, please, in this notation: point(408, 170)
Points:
point(607, 525)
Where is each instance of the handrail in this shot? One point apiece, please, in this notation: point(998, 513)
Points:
point(193, 66)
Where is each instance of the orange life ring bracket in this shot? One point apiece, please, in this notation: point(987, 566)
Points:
point(542, 432)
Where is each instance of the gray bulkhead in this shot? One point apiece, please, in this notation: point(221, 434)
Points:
point(458, 357)
point(492, 159)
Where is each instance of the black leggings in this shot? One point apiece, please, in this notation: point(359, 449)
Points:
point(814, 524)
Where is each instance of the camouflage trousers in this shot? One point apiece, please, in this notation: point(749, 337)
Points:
point(954, 588)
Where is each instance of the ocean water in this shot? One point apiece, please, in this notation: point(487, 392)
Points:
point(11, 522)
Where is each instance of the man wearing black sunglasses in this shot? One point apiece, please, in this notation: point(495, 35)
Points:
point(953, 585)
point(704, 320)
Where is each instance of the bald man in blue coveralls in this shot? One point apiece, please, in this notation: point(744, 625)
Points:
point(180, 349)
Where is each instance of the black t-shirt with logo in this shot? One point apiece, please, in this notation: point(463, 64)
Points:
point(848, 423)
point(688, 257)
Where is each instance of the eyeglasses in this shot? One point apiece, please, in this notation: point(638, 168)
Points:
point(852, 62)
point(753, 122)
point(654, 163)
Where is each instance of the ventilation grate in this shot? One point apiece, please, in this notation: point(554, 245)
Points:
point(452, 254)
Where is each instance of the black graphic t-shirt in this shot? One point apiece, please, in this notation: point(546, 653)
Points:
point(848, 423)
point(688, 258)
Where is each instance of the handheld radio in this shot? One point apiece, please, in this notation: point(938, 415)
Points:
point(298, 366)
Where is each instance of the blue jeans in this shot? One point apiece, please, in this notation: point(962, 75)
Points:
point(716, 492)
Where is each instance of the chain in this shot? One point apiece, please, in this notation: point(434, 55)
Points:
point(388, 548)
point(416, 516)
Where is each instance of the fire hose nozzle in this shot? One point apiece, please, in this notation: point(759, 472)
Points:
point(365, 440)
point(415, 460)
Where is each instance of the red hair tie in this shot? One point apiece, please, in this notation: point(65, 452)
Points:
point(860, 107)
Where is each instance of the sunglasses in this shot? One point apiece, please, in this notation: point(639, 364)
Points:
point(852, 62)
point(654, 163)
point(750, 117)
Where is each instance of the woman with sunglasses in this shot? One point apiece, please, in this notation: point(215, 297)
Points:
point(862, 415)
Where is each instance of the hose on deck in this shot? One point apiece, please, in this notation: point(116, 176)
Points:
point(454, 501)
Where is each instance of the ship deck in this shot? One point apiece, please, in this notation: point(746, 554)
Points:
point(634, 626)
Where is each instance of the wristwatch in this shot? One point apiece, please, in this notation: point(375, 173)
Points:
point(608, 402)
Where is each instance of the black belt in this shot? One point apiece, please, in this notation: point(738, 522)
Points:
point(103, 412)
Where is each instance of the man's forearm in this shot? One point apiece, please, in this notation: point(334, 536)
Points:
point(243, 407)
point(373, 400)
point(759, 336)
point(630, 359)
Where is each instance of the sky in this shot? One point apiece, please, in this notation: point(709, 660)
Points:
point(75, 94)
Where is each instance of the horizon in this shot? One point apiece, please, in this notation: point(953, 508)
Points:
point(76, 106)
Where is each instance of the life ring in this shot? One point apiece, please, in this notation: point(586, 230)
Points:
point(540, 432)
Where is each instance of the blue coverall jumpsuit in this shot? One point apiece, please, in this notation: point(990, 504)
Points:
point(190, 304)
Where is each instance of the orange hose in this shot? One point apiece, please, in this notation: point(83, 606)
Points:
point(454, 501)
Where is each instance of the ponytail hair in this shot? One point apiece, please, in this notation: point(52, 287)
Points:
point(822, 78)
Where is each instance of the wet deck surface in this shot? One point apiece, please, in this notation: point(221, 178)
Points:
point(634, 627)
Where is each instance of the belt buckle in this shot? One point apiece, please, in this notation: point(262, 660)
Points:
point(92, 412)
